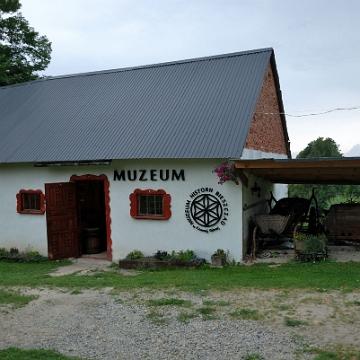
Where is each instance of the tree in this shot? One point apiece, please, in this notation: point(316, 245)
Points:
point(320, 148)
point(23, 52)
point(324, 193)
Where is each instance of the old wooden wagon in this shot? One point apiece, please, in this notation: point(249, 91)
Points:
point(343, 223)
point(280, 223)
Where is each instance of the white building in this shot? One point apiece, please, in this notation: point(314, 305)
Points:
point(129, 154)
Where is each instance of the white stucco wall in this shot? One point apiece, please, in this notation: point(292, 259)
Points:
point(175, 233)
point(23, 230)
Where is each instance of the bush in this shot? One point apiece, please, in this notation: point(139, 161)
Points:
point(185, 255)
point(310, 247)
point(28, 255)
point(136, 254)
point(163, 255)
point(312, 244)
point(181, 256)
point(221, 253)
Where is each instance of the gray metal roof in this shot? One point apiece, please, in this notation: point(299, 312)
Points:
point(199, 108)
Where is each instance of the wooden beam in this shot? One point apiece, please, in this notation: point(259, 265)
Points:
point(298, 163)
point(303, 171)
point(243, 177)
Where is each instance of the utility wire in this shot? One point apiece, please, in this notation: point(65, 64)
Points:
point(311, 114)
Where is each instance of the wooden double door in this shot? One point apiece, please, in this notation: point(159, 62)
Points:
point(70, 208)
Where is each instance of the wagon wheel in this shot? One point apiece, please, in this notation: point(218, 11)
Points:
point(254, 243)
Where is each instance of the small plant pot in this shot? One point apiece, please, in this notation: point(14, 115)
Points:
point(217, 260)
point(300, 246)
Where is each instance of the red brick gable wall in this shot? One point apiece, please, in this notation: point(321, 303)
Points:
point(266, 132)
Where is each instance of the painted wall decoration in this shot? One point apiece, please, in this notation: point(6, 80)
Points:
point(206, 210)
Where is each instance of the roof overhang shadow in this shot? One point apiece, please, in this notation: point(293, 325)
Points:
point(338, 171)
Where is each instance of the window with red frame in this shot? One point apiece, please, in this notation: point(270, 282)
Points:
point(30, 202)
point(150, 204)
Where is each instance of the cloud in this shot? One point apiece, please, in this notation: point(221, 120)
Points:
point(315, 44)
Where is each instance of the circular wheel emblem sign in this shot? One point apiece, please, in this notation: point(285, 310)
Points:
point(207, 210)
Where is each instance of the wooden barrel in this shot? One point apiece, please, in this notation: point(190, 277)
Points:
point(91, 240)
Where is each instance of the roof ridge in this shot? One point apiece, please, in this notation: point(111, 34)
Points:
point(141, 67)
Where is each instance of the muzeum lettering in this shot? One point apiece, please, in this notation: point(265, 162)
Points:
point(152, 175)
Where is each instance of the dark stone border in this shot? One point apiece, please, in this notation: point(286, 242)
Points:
point(135, 264)
point(17, 259)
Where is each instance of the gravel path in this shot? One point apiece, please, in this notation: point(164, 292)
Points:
point(100, 326)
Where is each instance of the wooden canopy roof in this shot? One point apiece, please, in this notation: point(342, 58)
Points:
point(339, 171)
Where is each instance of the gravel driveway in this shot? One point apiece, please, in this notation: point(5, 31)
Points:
point(99, 326)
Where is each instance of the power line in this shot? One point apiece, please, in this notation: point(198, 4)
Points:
point(311, 114)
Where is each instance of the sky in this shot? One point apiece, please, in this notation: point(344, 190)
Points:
point(316, 44)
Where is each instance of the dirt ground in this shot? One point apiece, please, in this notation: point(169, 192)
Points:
point(326, 318)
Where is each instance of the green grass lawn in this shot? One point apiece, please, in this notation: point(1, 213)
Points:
point(39, 354)
point(321, 276)
point(16, 354)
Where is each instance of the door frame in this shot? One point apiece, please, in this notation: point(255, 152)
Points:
point(105, 180)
